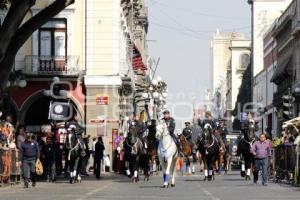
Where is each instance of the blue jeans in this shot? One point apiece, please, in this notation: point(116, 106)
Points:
point(262, 164)
point(28, 167)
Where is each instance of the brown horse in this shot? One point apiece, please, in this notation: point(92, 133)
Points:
point(187, 148)
point(221, 162)
point(152, 155)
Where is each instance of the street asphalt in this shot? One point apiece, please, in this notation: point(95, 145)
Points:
point(115, 187)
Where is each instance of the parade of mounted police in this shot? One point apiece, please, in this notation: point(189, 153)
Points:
point(86, 114)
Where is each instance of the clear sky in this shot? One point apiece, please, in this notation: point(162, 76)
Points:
point(180, 33)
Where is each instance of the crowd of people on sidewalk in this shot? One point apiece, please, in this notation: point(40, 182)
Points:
point(20, 149)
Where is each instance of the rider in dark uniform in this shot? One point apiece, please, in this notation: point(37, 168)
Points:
point(152, 132)
point(75, 127)
point(171, 127)
point(140, 128)
point(208, 120)
point(221, 133)
point(187, 132)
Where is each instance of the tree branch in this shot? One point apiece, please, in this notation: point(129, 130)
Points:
point(12, 22)
point(25, 31)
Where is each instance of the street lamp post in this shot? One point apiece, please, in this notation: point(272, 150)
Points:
point(157, 91)
point(262, 112)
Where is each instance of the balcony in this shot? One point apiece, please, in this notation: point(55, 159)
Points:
point(52, 65)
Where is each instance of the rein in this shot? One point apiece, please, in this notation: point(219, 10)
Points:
point(213, 142)
point(248, 142)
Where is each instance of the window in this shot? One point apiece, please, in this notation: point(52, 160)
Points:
point(52, 49)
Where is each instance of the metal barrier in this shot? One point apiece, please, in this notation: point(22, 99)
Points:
point(10, 172)
point(286, 163)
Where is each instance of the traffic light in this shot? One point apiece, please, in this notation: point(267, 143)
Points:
point(60, 108)
point(60, 111)
point(288, 101)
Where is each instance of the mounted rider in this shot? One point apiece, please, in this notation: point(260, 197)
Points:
point(170, 121)
point(140, 128)
point(187, 132)
point(221, 133)
point(152, 133)
point(208, 120)
point(77, 129)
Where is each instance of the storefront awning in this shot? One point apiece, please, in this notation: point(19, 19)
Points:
point(281, 71)
point(291, 123)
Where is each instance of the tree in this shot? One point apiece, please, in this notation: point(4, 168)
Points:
point(14, 33)
point(243, 97)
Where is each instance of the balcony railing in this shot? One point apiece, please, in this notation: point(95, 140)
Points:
point(52, 65)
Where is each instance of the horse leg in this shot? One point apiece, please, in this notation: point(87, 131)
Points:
point(210, 165)
point(248, 167)
point(167, 172)
point(135, 171)
point(193, 165)
point(205, 167)
point(173, 172)
point(188, 165)
point(72, 173)
point(243, 167)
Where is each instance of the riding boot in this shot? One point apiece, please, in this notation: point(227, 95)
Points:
point(181, 154)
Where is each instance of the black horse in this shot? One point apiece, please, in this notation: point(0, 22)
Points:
point(209, 149)
point(136, 156)
point(244, 148)
point(76, 152)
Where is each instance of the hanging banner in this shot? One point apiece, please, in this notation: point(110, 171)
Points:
point(115, 133)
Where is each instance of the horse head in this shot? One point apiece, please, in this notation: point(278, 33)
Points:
point(249, 130)
point(132, 134)
point(207, 135)
point(161, 130)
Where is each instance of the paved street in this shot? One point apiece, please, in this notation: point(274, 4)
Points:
point(228, 187)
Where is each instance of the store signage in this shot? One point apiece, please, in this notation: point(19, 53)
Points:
point(102, 100)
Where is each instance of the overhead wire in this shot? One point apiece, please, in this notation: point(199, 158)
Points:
point(190, 11)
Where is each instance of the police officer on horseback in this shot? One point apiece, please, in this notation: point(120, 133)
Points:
point(208, 120)
point(170, 121)
point(187, 131)
point(77, 129)
point(152, 132)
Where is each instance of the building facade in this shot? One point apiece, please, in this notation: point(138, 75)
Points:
point(286, 73)
point(98, 50)
point(221, 63)
point(239, 60)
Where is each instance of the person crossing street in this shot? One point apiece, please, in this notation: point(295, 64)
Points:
point(262, 152)
point(29, 154)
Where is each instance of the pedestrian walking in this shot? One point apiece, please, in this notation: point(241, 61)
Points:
point(29, 154)
point(49, 151)
point(262, 152)
point(99, 149)
point(93, 153)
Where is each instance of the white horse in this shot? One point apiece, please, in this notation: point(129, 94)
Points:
point(167, 154)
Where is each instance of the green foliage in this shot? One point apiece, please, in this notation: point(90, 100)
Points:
point(244, 96)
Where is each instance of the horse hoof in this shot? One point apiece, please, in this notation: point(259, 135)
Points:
point(172, 185)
